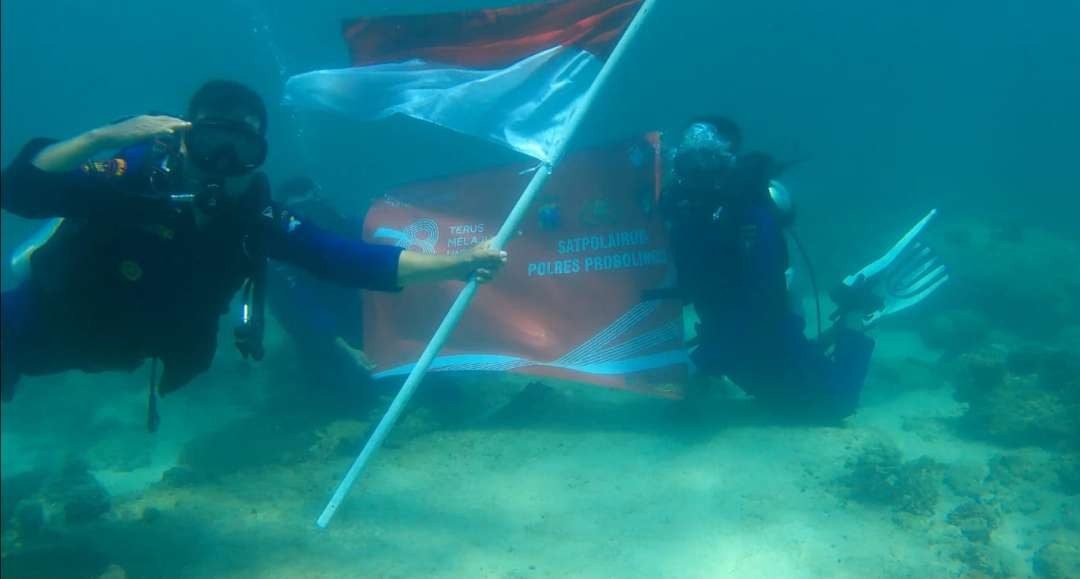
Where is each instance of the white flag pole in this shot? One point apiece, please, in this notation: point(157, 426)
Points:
point(453, 316)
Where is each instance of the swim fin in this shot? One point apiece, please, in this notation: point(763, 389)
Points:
point(906, 275)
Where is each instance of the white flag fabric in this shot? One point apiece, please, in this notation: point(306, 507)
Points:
point(510, 75)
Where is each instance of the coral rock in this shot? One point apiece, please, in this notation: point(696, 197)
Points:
point(1020, 409)
point(879, 476)
point(1058, 560)
point(975, 520)
point(79, 494)
point(985, 560)
point(966, 480)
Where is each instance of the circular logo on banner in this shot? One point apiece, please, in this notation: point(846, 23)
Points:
point(423, 234)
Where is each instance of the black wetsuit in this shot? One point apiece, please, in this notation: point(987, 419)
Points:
point(732, 258)
point(130, 276)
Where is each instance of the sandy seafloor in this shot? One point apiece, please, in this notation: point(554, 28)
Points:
point(487, 478)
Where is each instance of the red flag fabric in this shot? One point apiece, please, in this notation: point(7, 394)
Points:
point(492, 38)
point(569, 304)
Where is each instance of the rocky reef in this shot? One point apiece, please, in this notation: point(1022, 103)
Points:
point(1009, 328)
point(878, 475)
point(974, 508)
point(1058, 559)
point(977, 521)
point(47, 501)
point(1025, 395)
point(71, 494)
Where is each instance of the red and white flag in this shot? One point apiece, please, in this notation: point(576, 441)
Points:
point(569, 304)
point(511, 75)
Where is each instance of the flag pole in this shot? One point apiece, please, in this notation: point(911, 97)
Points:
point(453, 316)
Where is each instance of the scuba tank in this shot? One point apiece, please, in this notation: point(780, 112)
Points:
point(784, 208)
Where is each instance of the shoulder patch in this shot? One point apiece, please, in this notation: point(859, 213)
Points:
point(111, 168)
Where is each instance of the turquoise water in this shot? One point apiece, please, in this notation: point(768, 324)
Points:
point(962, 460)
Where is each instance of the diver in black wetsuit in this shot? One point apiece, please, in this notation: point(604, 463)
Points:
point(729, 248)
point(157, 239)
point(324, 320)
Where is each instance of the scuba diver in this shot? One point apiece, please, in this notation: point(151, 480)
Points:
point(323, 319)
point(728, 217)
point(156, 239)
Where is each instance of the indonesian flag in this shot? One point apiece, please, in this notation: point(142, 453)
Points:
point(511, 75)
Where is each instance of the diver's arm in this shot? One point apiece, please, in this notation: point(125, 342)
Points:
point(30, 192)
point(71, 154)
point(481, 260)
point(337, 259)
point(355, 263)
point(91, 191)
point(58, 179)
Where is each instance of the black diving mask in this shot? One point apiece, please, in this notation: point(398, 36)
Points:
point(225, 147)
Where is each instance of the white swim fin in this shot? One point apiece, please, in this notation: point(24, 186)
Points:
point(906, 275)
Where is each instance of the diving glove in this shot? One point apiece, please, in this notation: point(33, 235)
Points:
point(901, 278)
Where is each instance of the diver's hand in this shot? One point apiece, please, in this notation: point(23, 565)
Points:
point(480, 260)
point(356, 354)
point(484, 261)
point(139, 129)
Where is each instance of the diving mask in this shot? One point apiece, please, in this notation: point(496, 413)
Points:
point(225, 147)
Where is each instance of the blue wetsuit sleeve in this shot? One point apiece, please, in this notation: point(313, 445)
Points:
point(341, 260)
point(94, 189)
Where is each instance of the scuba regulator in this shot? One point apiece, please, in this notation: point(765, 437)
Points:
point(218, 148)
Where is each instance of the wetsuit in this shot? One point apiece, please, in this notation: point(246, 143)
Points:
point(129, 275)
point(316, 313)
point(731, 259)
